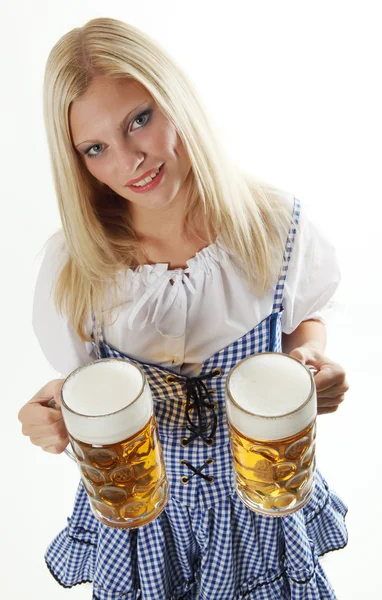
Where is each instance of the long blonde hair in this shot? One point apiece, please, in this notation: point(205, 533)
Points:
point(98, 235)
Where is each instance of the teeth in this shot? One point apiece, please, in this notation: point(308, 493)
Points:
point(147, 179)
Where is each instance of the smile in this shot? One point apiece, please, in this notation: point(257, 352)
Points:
point(148, 183)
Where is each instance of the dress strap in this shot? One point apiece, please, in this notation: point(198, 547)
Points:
point(278, 297)
point(96, 328)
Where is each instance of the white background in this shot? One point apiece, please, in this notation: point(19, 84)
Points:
point(294, 89)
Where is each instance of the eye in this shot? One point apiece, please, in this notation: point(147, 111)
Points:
point(145, 115)
point(87, 151)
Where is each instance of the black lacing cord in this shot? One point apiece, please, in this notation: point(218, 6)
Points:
point(198, 397)
point(208, 478)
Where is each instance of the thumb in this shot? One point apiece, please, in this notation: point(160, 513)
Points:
point(299, 354)
point(305, 355)
point(57, 392)
point(50, 394)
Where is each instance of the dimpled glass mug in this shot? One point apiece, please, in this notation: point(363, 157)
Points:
point(271, 407)
point(107, 408)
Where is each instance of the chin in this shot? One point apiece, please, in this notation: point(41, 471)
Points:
point(160, 202)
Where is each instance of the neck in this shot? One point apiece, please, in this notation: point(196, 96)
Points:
point(158, 224)
point(164, 238)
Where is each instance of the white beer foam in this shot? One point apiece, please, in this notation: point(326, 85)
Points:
point(268, 386)
point(100, 394)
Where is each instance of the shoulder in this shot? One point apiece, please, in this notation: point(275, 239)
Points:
point(55, 253)
point(310, 237)
point(55, 247)
point(51, 260)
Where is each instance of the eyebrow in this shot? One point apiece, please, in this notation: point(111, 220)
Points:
point(121, 125)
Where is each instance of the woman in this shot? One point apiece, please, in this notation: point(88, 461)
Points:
point(187, 273)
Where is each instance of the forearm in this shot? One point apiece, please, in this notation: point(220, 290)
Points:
point(309, 333)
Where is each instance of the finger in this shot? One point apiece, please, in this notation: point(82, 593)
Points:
point(330, 401)
point(329, 376)
point(53, 440)
point(331, 392)
point(55, 401)
point(35, 414)
point(56, 448)
point(329, 409)
point(41, 431)
point(50, 390)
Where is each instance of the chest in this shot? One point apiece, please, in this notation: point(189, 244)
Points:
point(174, 252)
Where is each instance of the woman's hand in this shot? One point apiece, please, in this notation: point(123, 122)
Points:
point(330, 380)
point(45, 426)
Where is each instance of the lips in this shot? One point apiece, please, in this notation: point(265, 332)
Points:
point(154, 183)
point(143, 176)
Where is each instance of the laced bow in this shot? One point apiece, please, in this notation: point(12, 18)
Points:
point(166, 300)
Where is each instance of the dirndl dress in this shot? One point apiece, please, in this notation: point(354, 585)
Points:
point(206, 544)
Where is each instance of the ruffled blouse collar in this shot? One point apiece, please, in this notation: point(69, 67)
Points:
point(159, 292)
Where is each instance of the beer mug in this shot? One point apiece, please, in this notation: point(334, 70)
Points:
point(271, 408)
point(108, 411)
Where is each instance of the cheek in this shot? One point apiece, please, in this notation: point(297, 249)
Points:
point(175, 143)
point(166, 138)
point(174, 146)
point(182, 153)
point(97, 170)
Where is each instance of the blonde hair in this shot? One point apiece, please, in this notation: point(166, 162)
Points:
point(99, 237)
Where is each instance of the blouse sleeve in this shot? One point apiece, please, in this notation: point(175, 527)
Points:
point(313, 276)
point(62, 347)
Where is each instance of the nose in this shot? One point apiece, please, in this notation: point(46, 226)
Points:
point(129, 157)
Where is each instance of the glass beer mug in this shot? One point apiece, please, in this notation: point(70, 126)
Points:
point(271, 407)
point(108, 411)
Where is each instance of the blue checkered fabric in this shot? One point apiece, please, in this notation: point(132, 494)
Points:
point(206, 544)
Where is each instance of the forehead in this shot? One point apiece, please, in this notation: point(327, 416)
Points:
point(105, 99)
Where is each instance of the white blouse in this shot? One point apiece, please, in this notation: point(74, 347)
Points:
point(177, 318)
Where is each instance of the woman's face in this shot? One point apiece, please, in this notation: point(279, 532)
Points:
point(121, 134)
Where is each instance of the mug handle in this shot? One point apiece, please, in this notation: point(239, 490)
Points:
point(52, 404)
point(312, 368)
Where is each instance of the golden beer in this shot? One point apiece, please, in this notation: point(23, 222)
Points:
point(276, 474)
point(126, 482)
point(273, 449)
point(119, 453)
